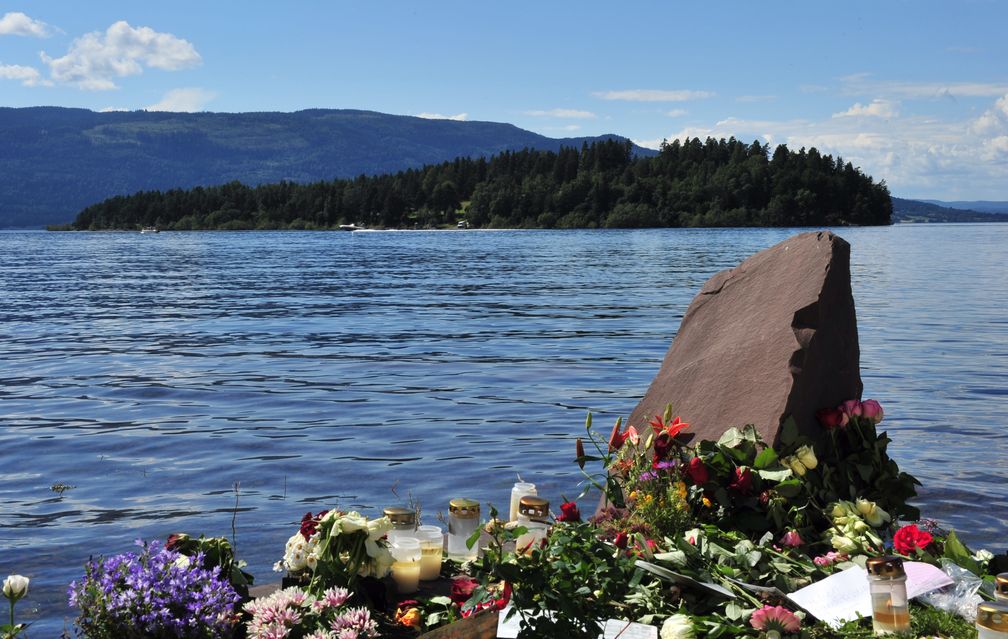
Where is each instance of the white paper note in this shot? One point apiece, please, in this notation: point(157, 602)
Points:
point(845, 595)
point(619, 629)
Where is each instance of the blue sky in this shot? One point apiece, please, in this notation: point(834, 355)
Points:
point(914, 92)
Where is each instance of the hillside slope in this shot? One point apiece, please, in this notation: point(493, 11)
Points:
point(926, 211)
point(55, 161)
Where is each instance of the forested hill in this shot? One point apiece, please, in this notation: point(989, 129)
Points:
point(55, 161)
point(712, 183)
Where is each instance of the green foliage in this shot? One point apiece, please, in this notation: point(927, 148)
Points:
point(693, 183)
point(575, 576)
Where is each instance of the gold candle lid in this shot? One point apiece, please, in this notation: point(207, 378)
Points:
point(402, 516)
point(993, 616)
point(1001, 584)
point(464, 508)
point(534, 507)
point(885, 567)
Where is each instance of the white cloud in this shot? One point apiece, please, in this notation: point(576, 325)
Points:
point(876, 109)
point(676, 113)
point(653, 95)
point(562, 113)
point(28, 76)
point(96, 59)
point(952, 158)
point(188, 99)
point(17, 23)
point(459, 117)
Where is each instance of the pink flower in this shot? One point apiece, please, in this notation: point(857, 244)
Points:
point(851, 408)
point(829, 559)
point(872, 410)
point(775, 618)
point(791, 539)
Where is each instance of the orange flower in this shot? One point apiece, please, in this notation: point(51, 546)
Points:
point(408, 617)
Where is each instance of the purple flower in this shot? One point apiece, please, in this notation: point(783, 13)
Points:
point(157, 593)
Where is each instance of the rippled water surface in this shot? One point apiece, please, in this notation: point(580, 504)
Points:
point(152, 372)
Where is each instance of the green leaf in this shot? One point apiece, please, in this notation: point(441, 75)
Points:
point(765, 459)
point(790, 488)
point(731, 438)
point(957, 552)
point(474, 538)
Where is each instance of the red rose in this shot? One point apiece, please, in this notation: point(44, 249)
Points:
point(911, 538)
point(743, 482)
point(461, 589)
point(569, 512)
point(832, 418)
point(621, 540)
point(697, 472)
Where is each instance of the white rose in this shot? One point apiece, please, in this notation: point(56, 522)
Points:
point(352, 522)
point(677, 626)
point(182, 562)
point(872, 513)
point(983, 555)
point(15, 587)
point(378, 528)
point(797, 467)
point(844, 544)
point(807, 457)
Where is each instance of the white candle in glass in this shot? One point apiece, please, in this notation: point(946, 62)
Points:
point(406, 567)
point(519, 490)
point(431, 551)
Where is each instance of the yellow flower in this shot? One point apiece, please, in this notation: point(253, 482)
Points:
point(680, 488)
point(648, 499)
point(807, 457)
point(707, 502)
point(633, 495)
point(410, 617)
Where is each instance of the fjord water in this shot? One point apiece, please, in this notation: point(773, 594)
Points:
point(153, 372)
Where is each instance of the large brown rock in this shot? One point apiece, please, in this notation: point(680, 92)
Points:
point(774, 337)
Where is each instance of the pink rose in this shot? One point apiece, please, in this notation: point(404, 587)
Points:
point(872, 410)
point(851, 408)
point(791, 539)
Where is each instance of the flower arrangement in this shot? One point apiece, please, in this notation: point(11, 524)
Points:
point(754, 520)
point(296, 614)
point(333, 548)
point(156, 593)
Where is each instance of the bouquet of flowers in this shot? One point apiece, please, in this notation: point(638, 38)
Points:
point(297, 614)
point(154, 594)
point(334, 548)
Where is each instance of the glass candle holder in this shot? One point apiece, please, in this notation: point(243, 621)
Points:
point(887, 585)
point(431, 551)
point(992, 620)
point(1001, 587)
point(519, 490)
point(406, 567)
point(463, 521)
point(533, 515)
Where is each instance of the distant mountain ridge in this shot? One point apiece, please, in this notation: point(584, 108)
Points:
point(927, 211)
point(54, 161)
point(982, 206)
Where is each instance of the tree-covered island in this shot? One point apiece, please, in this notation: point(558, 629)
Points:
point(604, 185)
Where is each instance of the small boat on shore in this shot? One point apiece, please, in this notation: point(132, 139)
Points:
point(350, 227)
point(149, 229)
